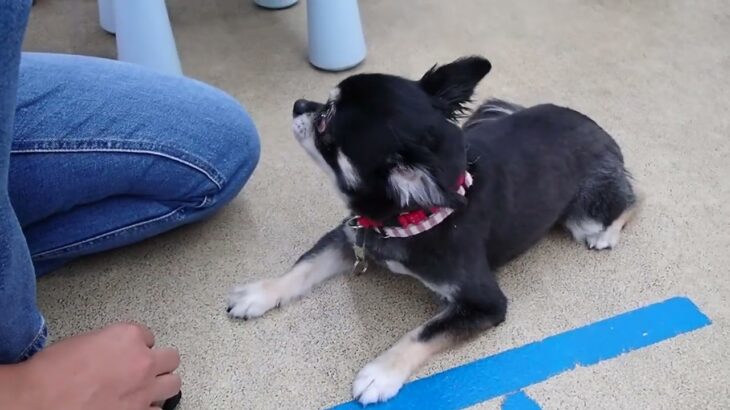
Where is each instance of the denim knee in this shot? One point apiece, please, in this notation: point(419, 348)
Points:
point(169, 150)
point(237, 149)
point(178, 118)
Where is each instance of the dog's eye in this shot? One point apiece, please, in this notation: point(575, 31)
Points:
point(324, 118)
point(321, 124)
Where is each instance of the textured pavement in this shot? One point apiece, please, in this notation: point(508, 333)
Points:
point(655, 74)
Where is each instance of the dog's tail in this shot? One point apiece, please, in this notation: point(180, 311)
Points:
point(490, 110)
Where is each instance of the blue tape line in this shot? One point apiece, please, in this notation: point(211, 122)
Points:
point(517, 368)
point(519, 401)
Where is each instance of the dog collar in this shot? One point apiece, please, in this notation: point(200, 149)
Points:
point(414, 222)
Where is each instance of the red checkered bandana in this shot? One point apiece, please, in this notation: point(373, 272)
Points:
point(418, 221)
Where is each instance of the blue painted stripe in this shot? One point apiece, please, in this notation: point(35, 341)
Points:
point(517, 368)
point(519, 401)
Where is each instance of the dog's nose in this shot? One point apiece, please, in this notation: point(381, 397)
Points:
point(305, 106)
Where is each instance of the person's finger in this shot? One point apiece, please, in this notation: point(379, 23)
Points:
point(167, 359)
point(146, 334)
point(164, 387)
point(136, 330)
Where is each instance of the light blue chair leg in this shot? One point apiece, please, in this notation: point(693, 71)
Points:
point(106, 15)
point(275, 4)
point(144, 34)
point(336, 40)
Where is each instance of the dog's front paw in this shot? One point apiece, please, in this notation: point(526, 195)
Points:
point(378, 381)
point(253, 300)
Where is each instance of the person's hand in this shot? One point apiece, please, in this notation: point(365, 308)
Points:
point(115, 368)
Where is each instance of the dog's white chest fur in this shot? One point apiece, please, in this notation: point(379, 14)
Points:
point(446, 290)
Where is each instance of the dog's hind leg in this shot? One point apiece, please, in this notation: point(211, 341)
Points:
point(475, 307)
point(331, 255)
point(608, 238)
point(605, 203)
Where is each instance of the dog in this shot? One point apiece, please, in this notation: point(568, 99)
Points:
point(445, 204)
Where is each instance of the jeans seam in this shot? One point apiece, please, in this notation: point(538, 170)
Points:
point(114, 232)
point(204, 203)
point(34, 343)
point(218, 180)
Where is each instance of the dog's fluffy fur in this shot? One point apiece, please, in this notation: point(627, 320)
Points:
point(391, 145)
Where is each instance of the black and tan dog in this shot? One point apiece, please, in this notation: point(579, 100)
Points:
point(445, 204)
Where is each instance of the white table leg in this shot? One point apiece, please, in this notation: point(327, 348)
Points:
point(144, 34)
point(336, 40)
point(106, 15)
point(275, 4)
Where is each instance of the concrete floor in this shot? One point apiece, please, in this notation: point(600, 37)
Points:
point(655, 74)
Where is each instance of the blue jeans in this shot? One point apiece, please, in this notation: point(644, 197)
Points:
point(96, 154)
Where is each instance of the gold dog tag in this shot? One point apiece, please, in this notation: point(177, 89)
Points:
point(358, 247)
point(361, 263)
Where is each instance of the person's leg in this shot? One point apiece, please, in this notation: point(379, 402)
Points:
point(22, 328)
point(108, 153)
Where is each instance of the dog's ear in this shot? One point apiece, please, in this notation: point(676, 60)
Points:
point(413, 185)
point(452, 85)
